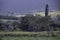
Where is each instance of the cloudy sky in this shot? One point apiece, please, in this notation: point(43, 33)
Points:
point(22, 6)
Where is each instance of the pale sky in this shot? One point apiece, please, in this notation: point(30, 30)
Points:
point(22, 6)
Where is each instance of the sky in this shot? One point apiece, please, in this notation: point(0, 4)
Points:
point(23, 6)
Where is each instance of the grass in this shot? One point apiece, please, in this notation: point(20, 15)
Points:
point(21, 32)
point(31, 38)
point(27, 37)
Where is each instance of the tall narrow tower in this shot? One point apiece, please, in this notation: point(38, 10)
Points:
point(46, 10)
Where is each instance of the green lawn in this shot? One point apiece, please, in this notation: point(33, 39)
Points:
point(31, 38)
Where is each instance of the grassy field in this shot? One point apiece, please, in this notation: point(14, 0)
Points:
point(30, 38)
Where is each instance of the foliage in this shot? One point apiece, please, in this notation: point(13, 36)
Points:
point(25, 22)
point(0, 38)
point(34, 23)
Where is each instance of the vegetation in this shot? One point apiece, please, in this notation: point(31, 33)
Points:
point(34, 23)
point(30, 38)
point(31, 23)
point(0, 38)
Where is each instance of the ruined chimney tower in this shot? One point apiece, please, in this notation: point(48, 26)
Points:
point(46, 10)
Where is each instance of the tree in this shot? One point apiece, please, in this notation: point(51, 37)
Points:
point(24, 24)
point(58, 16)
point(16, 24)
point(1, 22)
point(35, 23)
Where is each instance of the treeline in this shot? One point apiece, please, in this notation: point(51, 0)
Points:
point(31, 23)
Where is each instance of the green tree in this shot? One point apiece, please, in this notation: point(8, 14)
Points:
point(16, 25)
point(35, 23)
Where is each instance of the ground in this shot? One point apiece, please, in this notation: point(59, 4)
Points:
point(28, 37)
point(31, 38)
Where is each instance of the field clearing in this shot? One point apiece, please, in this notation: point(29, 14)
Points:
point(22, 32)
point(30, 38)
point(28, 33)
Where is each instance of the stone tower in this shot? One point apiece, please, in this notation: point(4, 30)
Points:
point(46, 10)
